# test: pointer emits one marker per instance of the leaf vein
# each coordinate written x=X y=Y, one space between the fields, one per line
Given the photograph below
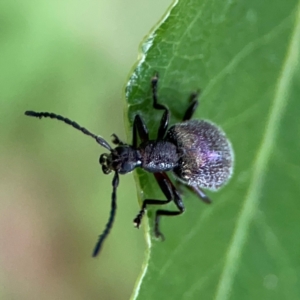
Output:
x=247 y=50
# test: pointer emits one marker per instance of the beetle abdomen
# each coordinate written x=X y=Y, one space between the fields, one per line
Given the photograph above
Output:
x=206 y=154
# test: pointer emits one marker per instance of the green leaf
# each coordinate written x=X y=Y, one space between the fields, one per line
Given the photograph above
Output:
x=244 y=56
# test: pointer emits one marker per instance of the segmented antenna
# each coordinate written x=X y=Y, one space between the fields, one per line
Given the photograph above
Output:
x=40 y=115
x=110 y=222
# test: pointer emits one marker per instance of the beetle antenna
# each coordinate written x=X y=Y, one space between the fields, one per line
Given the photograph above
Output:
x=40 y=115
x=110 y=222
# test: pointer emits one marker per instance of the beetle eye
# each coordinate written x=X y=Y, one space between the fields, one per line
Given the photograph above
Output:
x=103 y=158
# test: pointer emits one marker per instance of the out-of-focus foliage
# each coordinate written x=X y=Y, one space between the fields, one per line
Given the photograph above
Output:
x=72 y=58
x=245 y=56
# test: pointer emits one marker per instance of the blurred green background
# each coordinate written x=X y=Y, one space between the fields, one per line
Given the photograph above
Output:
x=72 y=58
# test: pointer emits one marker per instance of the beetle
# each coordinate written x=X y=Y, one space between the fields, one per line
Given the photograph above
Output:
x=196 y=151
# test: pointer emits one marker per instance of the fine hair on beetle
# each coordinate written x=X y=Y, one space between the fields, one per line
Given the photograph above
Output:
x=197 y=152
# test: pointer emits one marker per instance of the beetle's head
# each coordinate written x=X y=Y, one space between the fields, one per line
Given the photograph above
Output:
x=122 y=159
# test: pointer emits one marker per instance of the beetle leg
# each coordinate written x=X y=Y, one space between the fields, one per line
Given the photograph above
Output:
x=171 y=194
x=138 y=219
x=164 y=122
x=200 y=194
x=192 y=107
x=196 y=190
x=139 y=128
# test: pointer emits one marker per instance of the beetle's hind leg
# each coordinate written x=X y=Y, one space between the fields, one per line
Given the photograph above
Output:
x=171 y=194
x=192 y=107
x=196 y=190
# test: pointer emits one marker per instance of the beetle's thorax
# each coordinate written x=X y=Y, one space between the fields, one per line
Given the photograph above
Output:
x=158 y=156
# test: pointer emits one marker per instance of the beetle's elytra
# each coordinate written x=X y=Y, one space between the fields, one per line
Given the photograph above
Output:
x=196 y=151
